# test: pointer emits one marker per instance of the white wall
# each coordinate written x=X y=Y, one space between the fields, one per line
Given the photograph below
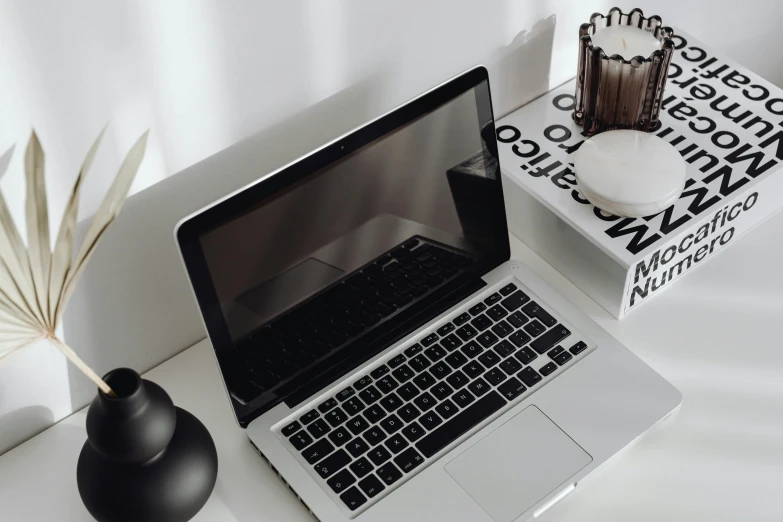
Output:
x=203 y=75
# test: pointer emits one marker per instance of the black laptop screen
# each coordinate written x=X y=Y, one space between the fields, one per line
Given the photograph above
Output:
x=329 y=262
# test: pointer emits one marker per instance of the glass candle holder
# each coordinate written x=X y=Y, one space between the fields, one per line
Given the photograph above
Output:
x=623 y=64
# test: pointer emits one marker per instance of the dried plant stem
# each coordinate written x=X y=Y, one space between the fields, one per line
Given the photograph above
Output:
x=86 y=370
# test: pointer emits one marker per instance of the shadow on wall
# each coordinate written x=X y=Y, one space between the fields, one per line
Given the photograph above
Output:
x=20 y=424
x=519 y=72
x=134 y=306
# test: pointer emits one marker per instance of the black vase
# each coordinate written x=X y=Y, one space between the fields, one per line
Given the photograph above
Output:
x=144 y=459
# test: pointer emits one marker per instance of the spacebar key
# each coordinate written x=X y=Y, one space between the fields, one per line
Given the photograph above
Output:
x=451 y=431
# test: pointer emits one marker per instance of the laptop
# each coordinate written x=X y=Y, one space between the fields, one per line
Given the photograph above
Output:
x=386 y=355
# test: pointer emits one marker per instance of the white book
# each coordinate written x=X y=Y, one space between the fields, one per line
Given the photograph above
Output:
x=725 y=121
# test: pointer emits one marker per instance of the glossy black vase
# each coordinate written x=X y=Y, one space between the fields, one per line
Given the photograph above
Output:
x=144 y=459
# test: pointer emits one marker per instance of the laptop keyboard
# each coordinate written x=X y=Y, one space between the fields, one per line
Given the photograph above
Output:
x=390 y=282
x=368 y=438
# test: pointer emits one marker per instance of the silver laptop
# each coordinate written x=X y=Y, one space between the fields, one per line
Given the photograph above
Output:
x=387 y=357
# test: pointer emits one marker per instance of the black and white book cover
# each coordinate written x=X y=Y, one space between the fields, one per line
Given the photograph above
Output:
x=726 y=122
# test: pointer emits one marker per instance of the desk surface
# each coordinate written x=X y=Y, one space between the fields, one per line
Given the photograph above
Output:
x=714 y=335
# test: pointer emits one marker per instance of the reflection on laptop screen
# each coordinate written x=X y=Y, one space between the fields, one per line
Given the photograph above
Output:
x=343 y=253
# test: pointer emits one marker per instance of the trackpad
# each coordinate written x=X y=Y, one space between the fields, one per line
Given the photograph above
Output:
x=511 y=469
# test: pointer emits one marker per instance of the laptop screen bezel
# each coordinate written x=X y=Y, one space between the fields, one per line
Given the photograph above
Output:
x=190 y=229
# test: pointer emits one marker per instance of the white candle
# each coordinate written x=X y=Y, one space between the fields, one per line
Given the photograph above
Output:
x=625 y=40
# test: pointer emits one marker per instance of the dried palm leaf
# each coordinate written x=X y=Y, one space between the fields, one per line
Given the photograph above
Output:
x=36 y=282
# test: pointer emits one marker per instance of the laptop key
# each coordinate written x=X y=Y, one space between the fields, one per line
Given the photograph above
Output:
x=467 y=332
x=473 y=369
x=529 y=376
x=309 y=417
x=441 y=390
x=430 y=420
x=327 y=405
x=374 y=413
x=457 y=380
x=495 y=376
x=378 y=455
x=396 y=361
x=408 y=460
x=445 y=329
x=318 y=428
x=460 y=424
x=357 y=447
x=391 y=424
x=497 y=312
x=429 y=340
x=481 y=322
x=420 y=363
x=511 y=366
x=435 y=353
x=475 y=310
x=518 y=319
x=391 y=402
x=389 y=474
x=535 y=328
x=487 y=339
x=408 y=391
x=408 y=412
x=341 y=481
x=578 y=348
x=519 y=338
x=440 y=370
x=374 y=435
x=371 y=486
x=396 y=443
x=336 y=417
x=413 y=431
x=353 y=406
x=292 y=428
x=514 y=301
x=533 y=309
x=456 y=359
x=554 y=352
x=361 y=467
x=512 y=388
x=504 y=348
x=332 y=464
x=446 y=409
x=300 y=440
x=489 y=359
x=362 y=383
x=472 y=349
x=451 y=342
x=462 y=319
x=549 y=339
x=494 y=298
x=345 y=394
x=502 y=329
x=508 y=289
x=547 y=368
x=563 y=358
x=413 y=350
x=403 y=373
x=353 y=498
x=462 y=398
x=525 y=355
x=424 y=380
x=339 y=436
x=386 y=384
x=379 y=372
x=370 y=395
x=424 y=402
x=357 y=425
x=479 y=387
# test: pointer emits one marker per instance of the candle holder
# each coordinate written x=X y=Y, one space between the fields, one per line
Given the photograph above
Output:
x=613 y=92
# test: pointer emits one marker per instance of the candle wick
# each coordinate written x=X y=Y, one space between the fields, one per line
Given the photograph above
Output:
x=625 y=45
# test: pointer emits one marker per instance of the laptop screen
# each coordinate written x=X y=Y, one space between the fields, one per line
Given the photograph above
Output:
x=338 y=262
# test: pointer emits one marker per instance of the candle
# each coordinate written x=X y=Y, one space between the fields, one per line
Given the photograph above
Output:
x=626 y=40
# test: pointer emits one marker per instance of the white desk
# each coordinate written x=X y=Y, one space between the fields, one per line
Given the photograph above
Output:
x=714 y=335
